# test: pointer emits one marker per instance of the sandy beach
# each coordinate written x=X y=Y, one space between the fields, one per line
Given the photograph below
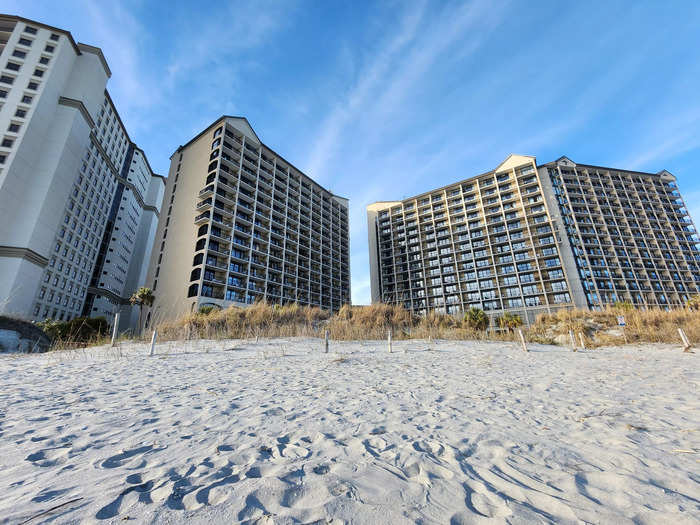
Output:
x=280 y=432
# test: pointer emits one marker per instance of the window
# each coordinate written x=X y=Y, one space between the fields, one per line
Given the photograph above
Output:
x=44 y=60
x=7 y=143
x=49 y=48
x=14 y=128
x=21 y=113
x=25 y=41
x=33 y=86
x=3 y=158
x=5 y=79
x=3 y=93
x=19 y=54
x=38 y=72
x=54 y=37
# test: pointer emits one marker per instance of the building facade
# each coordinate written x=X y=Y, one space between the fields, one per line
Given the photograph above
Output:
x=122 y=260
x=531 y=240
x=629 y=233
x=241 y=224
x=62 y=153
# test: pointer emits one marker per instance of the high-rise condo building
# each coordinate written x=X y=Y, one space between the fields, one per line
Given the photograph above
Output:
x=65 y=175
x=125 y=250
x=529 y=240
x=241 y=224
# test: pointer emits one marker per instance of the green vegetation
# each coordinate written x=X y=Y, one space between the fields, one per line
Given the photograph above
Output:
x=76 y=331
x=476 y=319
x=509 y=321
x=142 y=297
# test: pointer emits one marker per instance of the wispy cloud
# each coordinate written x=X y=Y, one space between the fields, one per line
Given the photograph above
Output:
x=353 y=102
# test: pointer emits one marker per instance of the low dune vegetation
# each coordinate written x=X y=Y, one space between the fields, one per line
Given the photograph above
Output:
x=593 y=328
x=599 y=328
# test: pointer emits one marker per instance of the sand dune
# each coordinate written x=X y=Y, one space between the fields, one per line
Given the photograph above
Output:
x=278 y=432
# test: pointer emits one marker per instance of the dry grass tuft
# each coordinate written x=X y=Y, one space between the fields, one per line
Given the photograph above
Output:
x=600 y=328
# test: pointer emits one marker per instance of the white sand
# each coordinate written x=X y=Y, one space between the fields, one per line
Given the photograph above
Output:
x=443 y=433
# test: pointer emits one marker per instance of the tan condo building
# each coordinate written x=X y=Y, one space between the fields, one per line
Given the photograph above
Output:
x=240 y=224
x=529 y=240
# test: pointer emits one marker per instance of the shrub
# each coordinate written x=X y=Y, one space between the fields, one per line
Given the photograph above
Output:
x=476 y=319
x=207 y=309
x=693 y=302
x=623 y=305
x=78 y=330
x=510 y=321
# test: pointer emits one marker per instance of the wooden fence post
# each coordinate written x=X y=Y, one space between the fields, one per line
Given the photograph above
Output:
x=686 y=343
x=389 y=339
x=326 y=341
x=522 y=340
x=573 y=340
x=115 y=330
x=153 y=341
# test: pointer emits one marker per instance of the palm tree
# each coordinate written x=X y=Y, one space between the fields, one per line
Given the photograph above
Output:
x=510 y=321
x=693 y=303
x=142 y=297
x=476 y=318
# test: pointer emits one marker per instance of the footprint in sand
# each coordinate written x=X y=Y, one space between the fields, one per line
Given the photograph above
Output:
x=293 y=451
x=489 y=505
x=120 y=459
x=430 y=447
x=48 y=457
x=376 y=446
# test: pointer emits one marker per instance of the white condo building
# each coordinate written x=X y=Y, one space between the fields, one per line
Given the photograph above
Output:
x=65 y=155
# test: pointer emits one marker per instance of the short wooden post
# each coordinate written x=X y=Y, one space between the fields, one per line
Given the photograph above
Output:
x=686 y=343
x=522 y=340
x=153 y=341
x=115 y=330
x=580 y=338
x=326 y=341
x=389 y=339
x=573 y=340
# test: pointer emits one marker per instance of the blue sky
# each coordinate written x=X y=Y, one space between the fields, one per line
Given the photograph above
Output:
x=383 y=100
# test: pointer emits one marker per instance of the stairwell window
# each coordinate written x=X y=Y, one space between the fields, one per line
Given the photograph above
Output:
x=25 y=42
